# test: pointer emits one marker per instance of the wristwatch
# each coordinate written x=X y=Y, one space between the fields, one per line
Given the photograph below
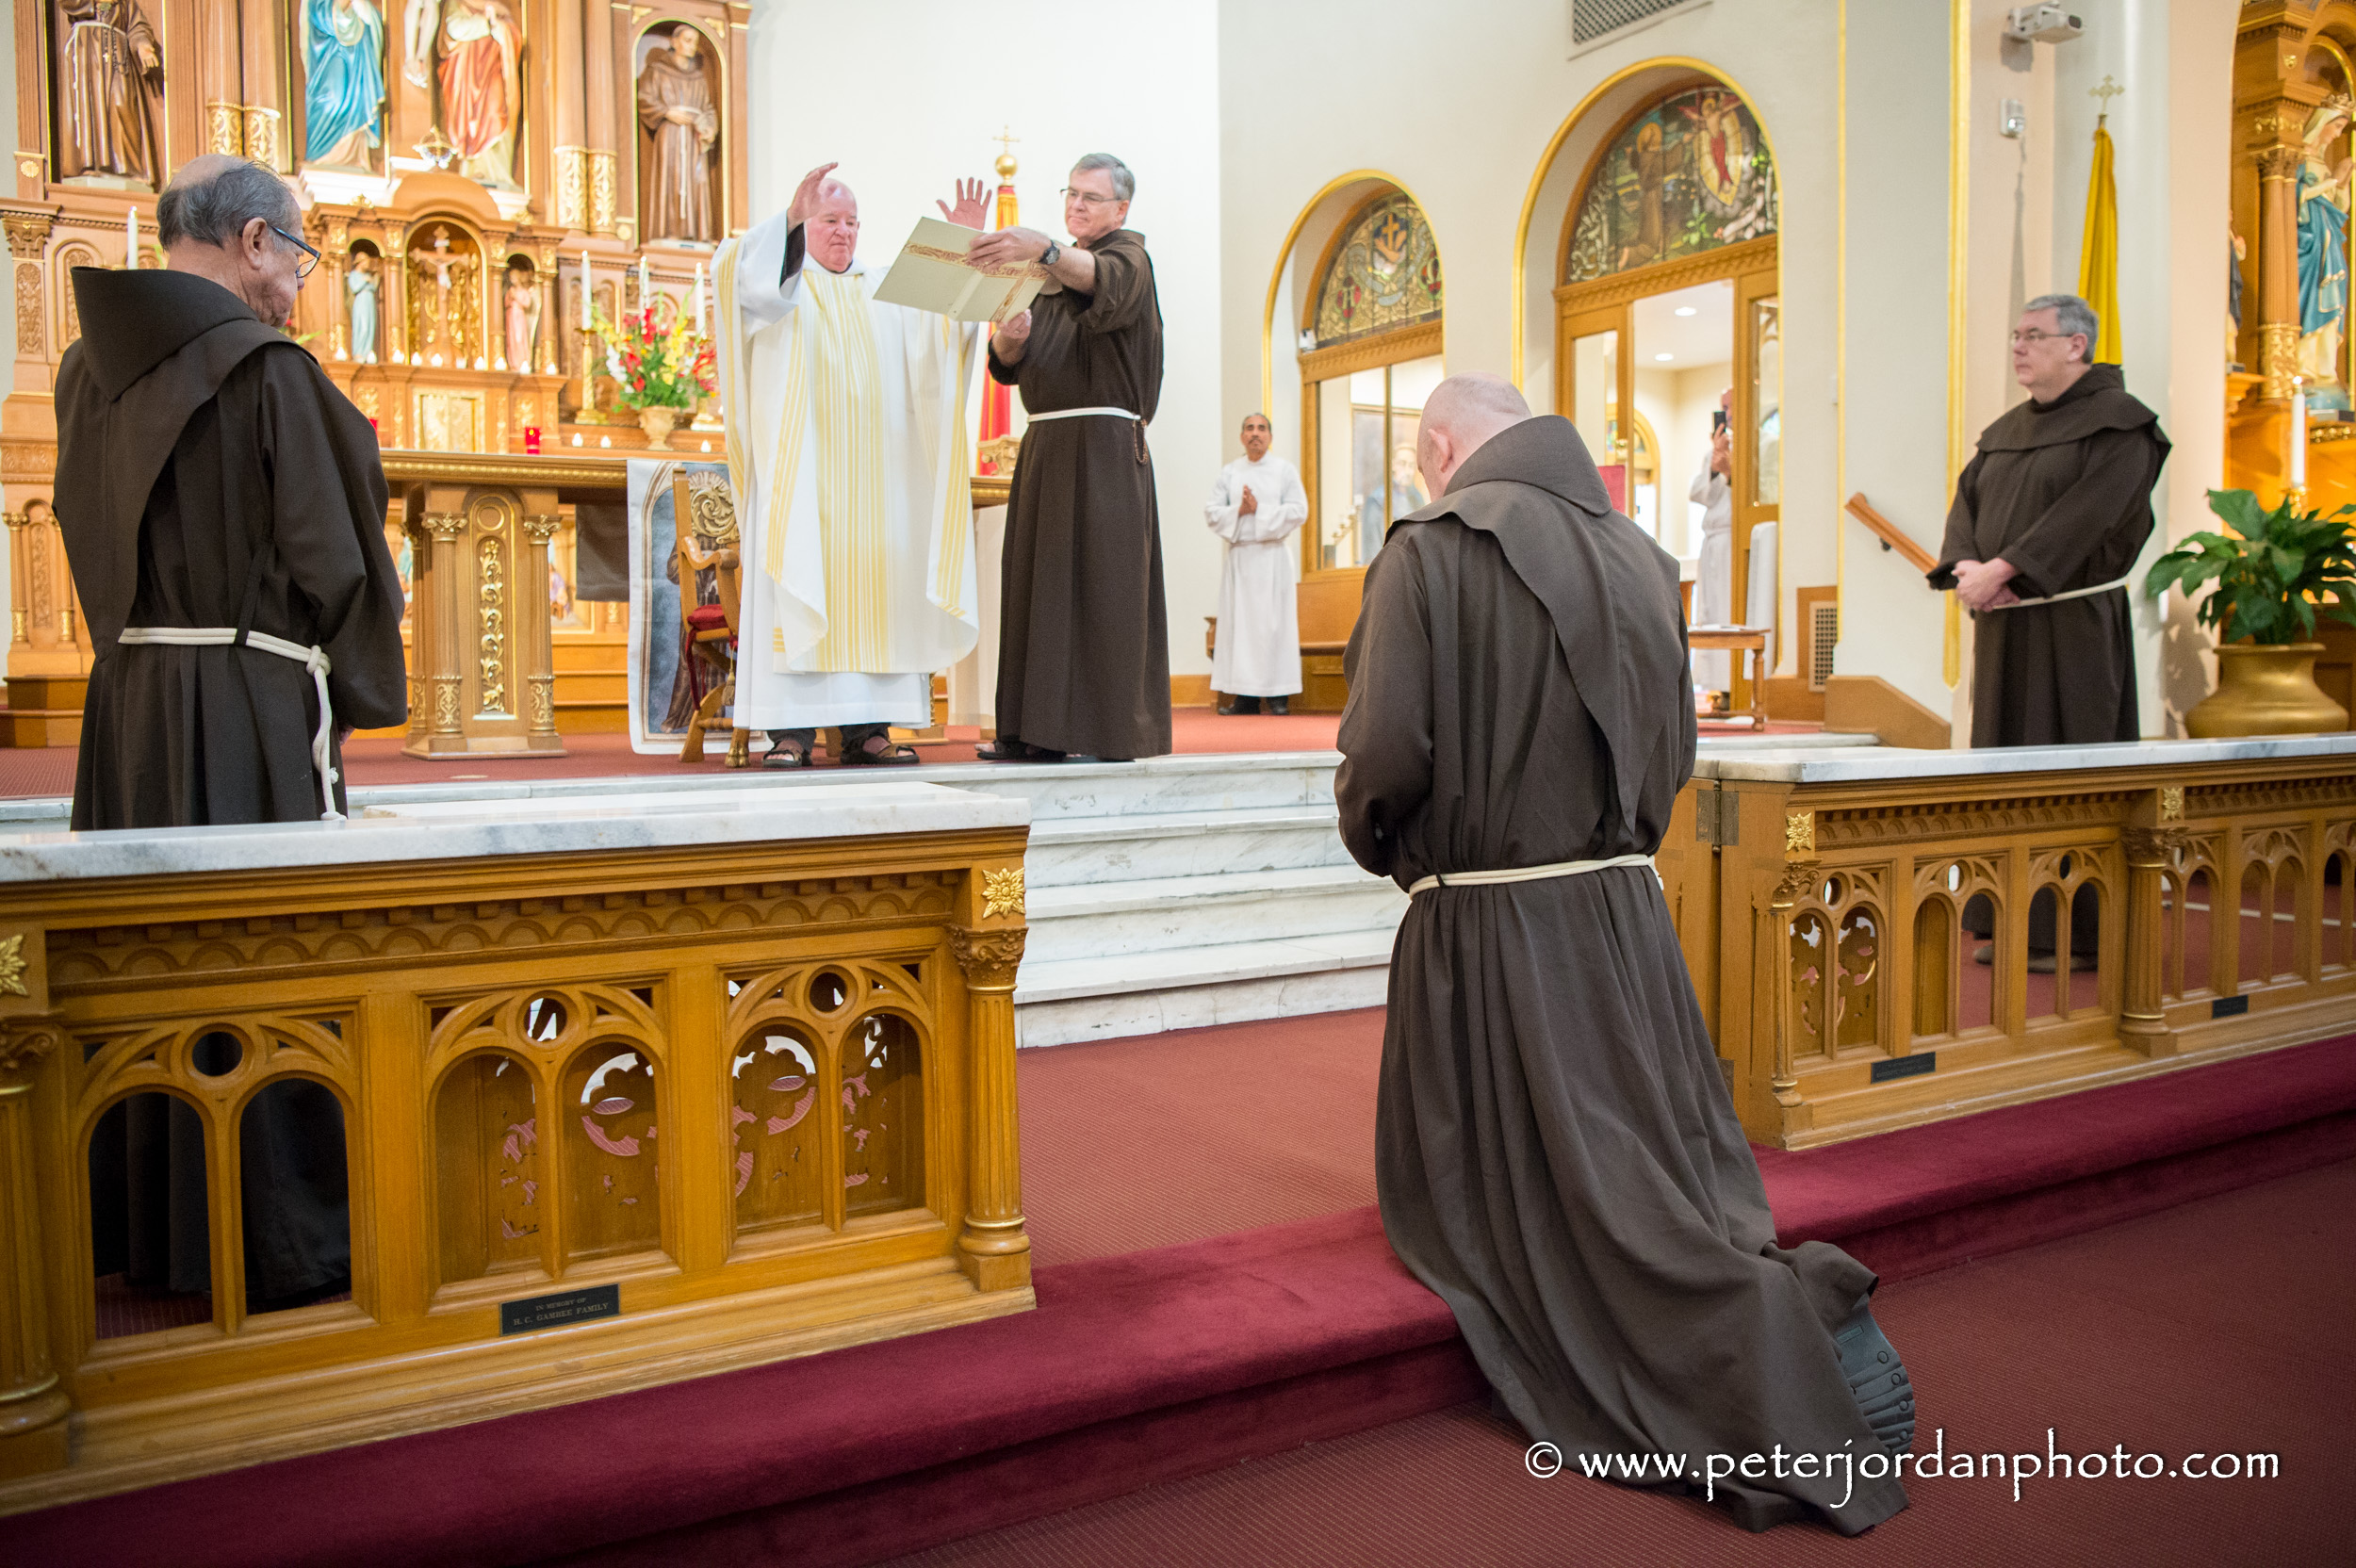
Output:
x=1047 y=257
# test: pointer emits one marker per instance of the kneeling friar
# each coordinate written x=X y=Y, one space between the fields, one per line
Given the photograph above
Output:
x=1555 y=1151
x=849 y=456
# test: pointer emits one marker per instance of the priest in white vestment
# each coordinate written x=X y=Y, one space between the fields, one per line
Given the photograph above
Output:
x=847 y=450
x=1256 y=506
x=1712 y=490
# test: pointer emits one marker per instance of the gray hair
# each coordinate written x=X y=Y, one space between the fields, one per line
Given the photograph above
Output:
x=2074 y=315
x=216 y=211
x=1125 y=183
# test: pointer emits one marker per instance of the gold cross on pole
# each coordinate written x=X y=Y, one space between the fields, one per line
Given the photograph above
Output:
x=2103 y=95
x=1006 y=139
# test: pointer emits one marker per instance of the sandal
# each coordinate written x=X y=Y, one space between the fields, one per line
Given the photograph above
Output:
x=887 y=755
x=1007 y=749
x=785 y=754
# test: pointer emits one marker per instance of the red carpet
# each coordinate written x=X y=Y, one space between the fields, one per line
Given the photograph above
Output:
x=2218 y=1327
x=1154 y=1365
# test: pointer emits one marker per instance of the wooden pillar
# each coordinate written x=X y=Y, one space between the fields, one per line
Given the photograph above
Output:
x=1799 y=838
x=435 y=619
x=2142 y=1020
x=571 y=91
x=2278 y=269
x=219 y=74
x=603 y=116
x=392 y=297
x=994 y=1251
x=32 y=1407
x=262 y=104
x=536 y=653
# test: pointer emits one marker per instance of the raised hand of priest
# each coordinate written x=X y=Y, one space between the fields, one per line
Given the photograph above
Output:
x=1251 y=502
x=806 y=195
x=1007 y=246
x=969 y=212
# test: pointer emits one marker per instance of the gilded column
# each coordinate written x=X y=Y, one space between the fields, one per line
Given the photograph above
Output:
x=605 y=117
x=19 y=623
x=220 y=75
x=445 y=635
x=537 y=656
x=2278 y=272
x=262 y=107
x=28 y=243
x=2142 y=1022
x=333 y=238
x=994 y=1251
x=1799 y=838
x=571 y=153
x=392 y=297
x=32 y=1405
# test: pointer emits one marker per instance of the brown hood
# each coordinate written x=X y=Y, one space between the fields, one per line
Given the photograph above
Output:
x=2096 y=402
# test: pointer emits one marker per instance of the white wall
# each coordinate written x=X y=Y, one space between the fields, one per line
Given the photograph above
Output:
x=907 y=96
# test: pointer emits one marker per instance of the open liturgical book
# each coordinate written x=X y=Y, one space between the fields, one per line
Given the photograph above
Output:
x=932 y=273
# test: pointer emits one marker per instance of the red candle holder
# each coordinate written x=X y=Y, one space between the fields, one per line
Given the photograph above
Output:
x=531 y=439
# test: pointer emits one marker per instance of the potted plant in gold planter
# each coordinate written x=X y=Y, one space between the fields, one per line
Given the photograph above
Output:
x=660 y=371
x=2268 y=573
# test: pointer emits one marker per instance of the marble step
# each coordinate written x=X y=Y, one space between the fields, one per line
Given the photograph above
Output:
x=1159 y=914
x=1074 y=851
x=1069 y=1000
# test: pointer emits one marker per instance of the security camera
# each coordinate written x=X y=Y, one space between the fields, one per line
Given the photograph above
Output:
x=2042 y=25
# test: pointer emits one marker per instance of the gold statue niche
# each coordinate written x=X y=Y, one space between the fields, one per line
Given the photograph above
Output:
x=444 y=298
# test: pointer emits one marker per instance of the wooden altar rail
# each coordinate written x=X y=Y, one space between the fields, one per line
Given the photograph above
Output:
x=816 y=1033
x=1821 y=923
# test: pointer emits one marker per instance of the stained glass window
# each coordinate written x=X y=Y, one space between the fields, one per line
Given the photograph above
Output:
x=1386 y=273
x=1689 y=174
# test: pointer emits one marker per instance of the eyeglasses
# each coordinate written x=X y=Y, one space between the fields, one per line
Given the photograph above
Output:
x=1089 y=198
x=302 y=269
x=2034 y=336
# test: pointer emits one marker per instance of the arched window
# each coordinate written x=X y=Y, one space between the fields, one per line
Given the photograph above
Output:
x=1371 y=354
x=1688 y=174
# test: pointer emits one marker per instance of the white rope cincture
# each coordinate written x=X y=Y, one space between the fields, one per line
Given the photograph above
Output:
x=2056 y=599
x=311 y=658
x=1525 y=873
x=1078 y=413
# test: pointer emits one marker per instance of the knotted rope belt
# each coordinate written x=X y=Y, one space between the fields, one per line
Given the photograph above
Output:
x=2056 y=599
x=1135 y=421
x=311 y=658
x=1523 y=873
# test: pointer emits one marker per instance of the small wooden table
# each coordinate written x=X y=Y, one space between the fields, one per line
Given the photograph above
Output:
x=1738 y=639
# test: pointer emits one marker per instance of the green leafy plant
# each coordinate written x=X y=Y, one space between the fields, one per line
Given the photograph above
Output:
x=2267 y=579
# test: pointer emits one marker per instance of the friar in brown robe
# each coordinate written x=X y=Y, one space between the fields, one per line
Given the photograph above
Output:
x=1555 y=1153
x=1083 y=641
x=2061 y=492
x=209 y=478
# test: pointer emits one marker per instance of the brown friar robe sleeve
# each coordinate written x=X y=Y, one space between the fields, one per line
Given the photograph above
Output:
x=1386 y=735
x=1123 y=285
x=2112 y=493
x=327 y=522
x=1962 y=525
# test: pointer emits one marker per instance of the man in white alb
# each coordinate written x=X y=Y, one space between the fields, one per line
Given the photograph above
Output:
x=847 y=450
x=1713 y=585
x=1255 y=505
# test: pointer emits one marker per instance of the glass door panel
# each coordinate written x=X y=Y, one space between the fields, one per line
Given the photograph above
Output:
x=1594 y=406
x=1766 y=434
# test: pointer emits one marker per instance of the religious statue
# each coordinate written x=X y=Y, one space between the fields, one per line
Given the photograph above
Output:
x=2323 y=185
x=110 y=77
x=675 y=104
x=521 y=301
x=360 y=285
x=343 y=92
x=446 y=322
x=479 y=60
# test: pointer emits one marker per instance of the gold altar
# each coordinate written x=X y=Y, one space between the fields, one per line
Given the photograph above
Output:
x=440 y=1002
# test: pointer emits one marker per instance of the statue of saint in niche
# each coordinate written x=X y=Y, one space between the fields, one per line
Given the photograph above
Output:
x=360 y=285
x=110 y=75
x=676 y=106
x=343 y=82
x=478 y=59
x=520 y=305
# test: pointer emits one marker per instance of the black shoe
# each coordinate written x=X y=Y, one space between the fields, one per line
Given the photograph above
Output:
x=1278 y=706
x=1240 y=705
x=1878 y=1379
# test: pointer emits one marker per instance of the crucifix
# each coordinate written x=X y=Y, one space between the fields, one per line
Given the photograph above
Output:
x=2102 y=95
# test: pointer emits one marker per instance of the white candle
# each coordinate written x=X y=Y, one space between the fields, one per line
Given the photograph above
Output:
x=584 y=291
x=703 y=313
x=131 y=238
x=2299 y=439
x=644 y=299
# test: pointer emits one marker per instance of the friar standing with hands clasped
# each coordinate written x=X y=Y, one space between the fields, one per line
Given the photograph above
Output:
x=1083 y=640
x=1256 y=505
x=1555 y=1151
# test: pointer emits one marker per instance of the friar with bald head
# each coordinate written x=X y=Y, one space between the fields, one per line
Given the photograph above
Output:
x=849 y=456
x=1556 y=1152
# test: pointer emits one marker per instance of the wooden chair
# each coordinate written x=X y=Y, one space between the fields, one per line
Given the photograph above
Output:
x=705 y=517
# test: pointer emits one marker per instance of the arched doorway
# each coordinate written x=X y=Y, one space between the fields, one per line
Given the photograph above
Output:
x=1666 y=308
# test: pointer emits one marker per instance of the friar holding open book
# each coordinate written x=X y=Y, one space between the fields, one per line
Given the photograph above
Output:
x=848 y=454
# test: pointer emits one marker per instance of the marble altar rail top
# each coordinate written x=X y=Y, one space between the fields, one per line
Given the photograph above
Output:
x=51 y=813
x=1876 y=765
x=470 y=829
